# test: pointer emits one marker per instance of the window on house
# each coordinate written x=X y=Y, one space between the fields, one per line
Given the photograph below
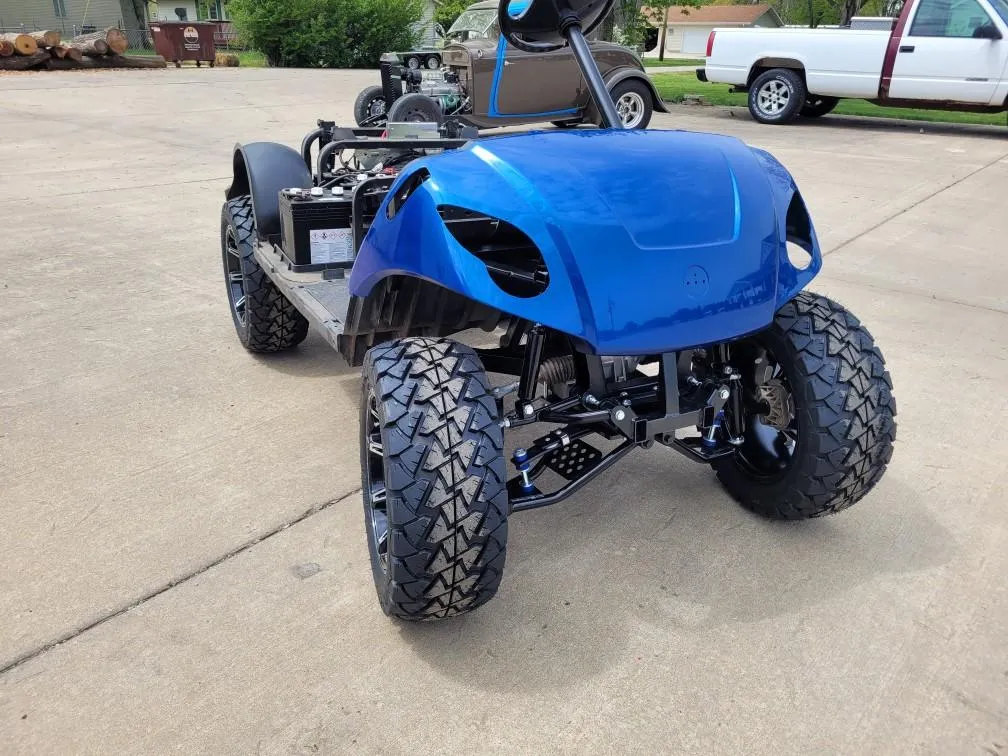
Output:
x=59 y=8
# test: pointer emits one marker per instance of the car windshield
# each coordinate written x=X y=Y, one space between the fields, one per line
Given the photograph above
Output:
x=1001 y=6
x=473 y=23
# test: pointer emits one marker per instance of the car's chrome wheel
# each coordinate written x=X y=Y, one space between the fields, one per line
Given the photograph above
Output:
x=630 y=107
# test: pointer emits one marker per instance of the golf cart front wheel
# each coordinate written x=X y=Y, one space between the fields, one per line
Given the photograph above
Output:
x=264 y=318
x=433 y=479
x=819 y=430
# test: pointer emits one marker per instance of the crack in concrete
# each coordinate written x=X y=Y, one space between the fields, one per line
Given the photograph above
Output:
x=916 y=204
x=931 y=297
x=173 y=583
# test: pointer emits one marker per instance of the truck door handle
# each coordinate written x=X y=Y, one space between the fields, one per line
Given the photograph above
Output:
x=907 y=48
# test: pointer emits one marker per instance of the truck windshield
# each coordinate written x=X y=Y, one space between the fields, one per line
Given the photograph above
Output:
x=472 y=24
x=1001 y=6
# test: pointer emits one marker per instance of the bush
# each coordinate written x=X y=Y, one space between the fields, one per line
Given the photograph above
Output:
x=326 y=33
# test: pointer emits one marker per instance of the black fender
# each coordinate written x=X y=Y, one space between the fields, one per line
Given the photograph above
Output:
x=614 y=77
x=262 y=169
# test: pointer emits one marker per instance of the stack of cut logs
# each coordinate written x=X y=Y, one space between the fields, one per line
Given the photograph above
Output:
x=47 y=50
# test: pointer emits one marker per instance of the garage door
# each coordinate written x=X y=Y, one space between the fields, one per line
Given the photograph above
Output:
x=694 y=40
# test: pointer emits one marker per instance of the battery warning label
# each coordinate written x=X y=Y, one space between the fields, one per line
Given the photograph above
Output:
x=331 y=245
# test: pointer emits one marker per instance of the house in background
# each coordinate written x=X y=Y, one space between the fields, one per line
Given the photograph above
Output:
x=66 y=16
x=689 y=28
x=186 y=10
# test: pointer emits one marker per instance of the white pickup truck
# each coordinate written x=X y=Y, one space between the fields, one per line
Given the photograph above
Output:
x=948 y=54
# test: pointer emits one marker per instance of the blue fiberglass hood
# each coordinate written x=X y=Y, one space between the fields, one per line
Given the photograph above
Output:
x=654 y=240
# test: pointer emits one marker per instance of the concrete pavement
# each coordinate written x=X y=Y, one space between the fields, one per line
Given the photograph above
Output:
x=183 y=567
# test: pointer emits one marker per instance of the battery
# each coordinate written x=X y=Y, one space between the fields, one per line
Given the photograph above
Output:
x=315 y=229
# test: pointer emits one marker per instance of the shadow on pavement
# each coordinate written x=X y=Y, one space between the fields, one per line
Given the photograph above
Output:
x=656 y=547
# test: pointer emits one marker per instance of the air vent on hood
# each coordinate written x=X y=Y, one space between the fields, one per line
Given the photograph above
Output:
x=512 y=259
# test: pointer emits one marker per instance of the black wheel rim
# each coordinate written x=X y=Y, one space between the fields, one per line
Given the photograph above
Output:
x=235 y=275
x=376 y=107
x=771 y=439
x=375 y=494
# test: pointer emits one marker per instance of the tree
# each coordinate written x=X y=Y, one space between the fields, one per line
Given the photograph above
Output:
x=448 y=10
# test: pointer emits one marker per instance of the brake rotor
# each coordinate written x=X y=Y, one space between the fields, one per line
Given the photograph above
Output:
x=780 y=403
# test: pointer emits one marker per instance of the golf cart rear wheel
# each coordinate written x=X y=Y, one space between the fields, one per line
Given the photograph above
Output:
x=824 y=429
x=777 y=96
x=633 y=103
x=264 y=318
x=415 y=107
x=433 y=479
x=370 y=106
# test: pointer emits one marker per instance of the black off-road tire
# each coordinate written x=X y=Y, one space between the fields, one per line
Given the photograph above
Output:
x=365 y=101
x=816 y=106
x=415 y=107
x=268 y=322
x=433 y=62
x=412 y=62
x=789 y=82
x=844 y=408
x=443 y=474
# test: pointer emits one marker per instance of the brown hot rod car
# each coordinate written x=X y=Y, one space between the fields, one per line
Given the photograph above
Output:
x=485 y=82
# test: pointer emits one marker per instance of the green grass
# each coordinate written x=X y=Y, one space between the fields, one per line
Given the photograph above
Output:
x=655 y=63
x=674 y=87
x=246 y=58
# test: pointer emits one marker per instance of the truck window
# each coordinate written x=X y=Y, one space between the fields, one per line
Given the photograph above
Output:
x=1001 y=6
x=948 y=18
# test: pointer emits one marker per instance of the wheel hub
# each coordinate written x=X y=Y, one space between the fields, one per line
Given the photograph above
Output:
x=375 y=493
x=235 y=275
x=773 y=97
x=630 y=107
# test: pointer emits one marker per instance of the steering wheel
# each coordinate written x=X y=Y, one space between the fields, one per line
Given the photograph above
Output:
x=539 y=25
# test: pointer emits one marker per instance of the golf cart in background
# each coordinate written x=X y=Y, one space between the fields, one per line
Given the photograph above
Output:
x=611 y=325
x=486 y=82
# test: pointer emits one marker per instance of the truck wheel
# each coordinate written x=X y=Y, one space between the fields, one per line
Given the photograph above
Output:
x=821 y=426
x=370 y=104
x=777 y=96
x=433 y=62
x=816 y=106
x=633 y=103
x=433 y=479
x=264 y=318
x=413 y=62
x=415 y=107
